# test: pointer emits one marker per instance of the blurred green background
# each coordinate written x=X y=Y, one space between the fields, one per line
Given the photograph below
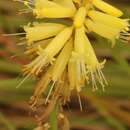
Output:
x=109 y=110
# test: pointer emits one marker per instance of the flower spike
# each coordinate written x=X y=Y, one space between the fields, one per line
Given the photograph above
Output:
x=62 y=56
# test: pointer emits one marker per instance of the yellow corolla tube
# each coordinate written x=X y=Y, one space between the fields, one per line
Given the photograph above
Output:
x=76 y=80
x=42 y=31
x=77 y=64
x=54 y=12
x=54 y=9
x=93 y=66
x=46 y=56
x=62 y=60
x=58 y=42
x=103 y=30
x=80 y=17
x=108 y=20
x=79 y=46
x=107 y=8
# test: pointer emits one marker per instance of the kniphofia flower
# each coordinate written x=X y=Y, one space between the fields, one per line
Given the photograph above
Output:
x=62 y=53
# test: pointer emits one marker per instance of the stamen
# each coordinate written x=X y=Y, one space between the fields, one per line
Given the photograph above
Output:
x=35 y=67
x=97 y=75
x=104 y=78
x=94 y=85
x=125 y=36
x=25 y=2
x=47 y=98
x=23 y=11
x=21 y=43
x=80 y=103
x=14 y=34
x=22 y=38
x=83 y=70
x=22 y=81
x=100 y=79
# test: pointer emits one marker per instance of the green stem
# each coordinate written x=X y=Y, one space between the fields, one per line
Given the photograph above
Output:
x=53 y=119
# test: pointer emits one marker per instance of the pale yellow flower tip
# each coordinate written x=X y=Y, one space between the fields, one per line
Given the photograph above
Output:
x=94 y=67
x=80 y=17
x=76 y=80
x=62 y=60
x=54 y=12
x=42 y=31
x=108 y=20
x=80 y=54
x=103 y=30
x=107 y=8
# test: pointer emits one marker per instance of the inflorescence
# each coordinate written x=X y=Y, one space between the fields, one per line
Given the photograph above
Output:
x=61 y=52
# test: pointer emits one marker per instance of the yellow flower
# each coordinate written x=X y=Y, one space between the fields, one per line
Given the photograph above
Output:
x=61 y=48
x=50 y=9
x=54 y=73
x=42 y=31
x=107 y=8
x=76 y=72
x=107 y=26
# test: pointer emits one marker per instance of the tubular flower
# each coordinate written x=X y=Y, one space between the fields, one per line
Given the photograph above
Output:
x=50 y=9
x=62 y=54
x=42 y=31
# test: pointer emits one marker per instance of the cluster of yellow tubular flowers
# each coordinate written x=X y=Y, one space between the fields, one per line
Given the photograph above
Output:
x=61 y=50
